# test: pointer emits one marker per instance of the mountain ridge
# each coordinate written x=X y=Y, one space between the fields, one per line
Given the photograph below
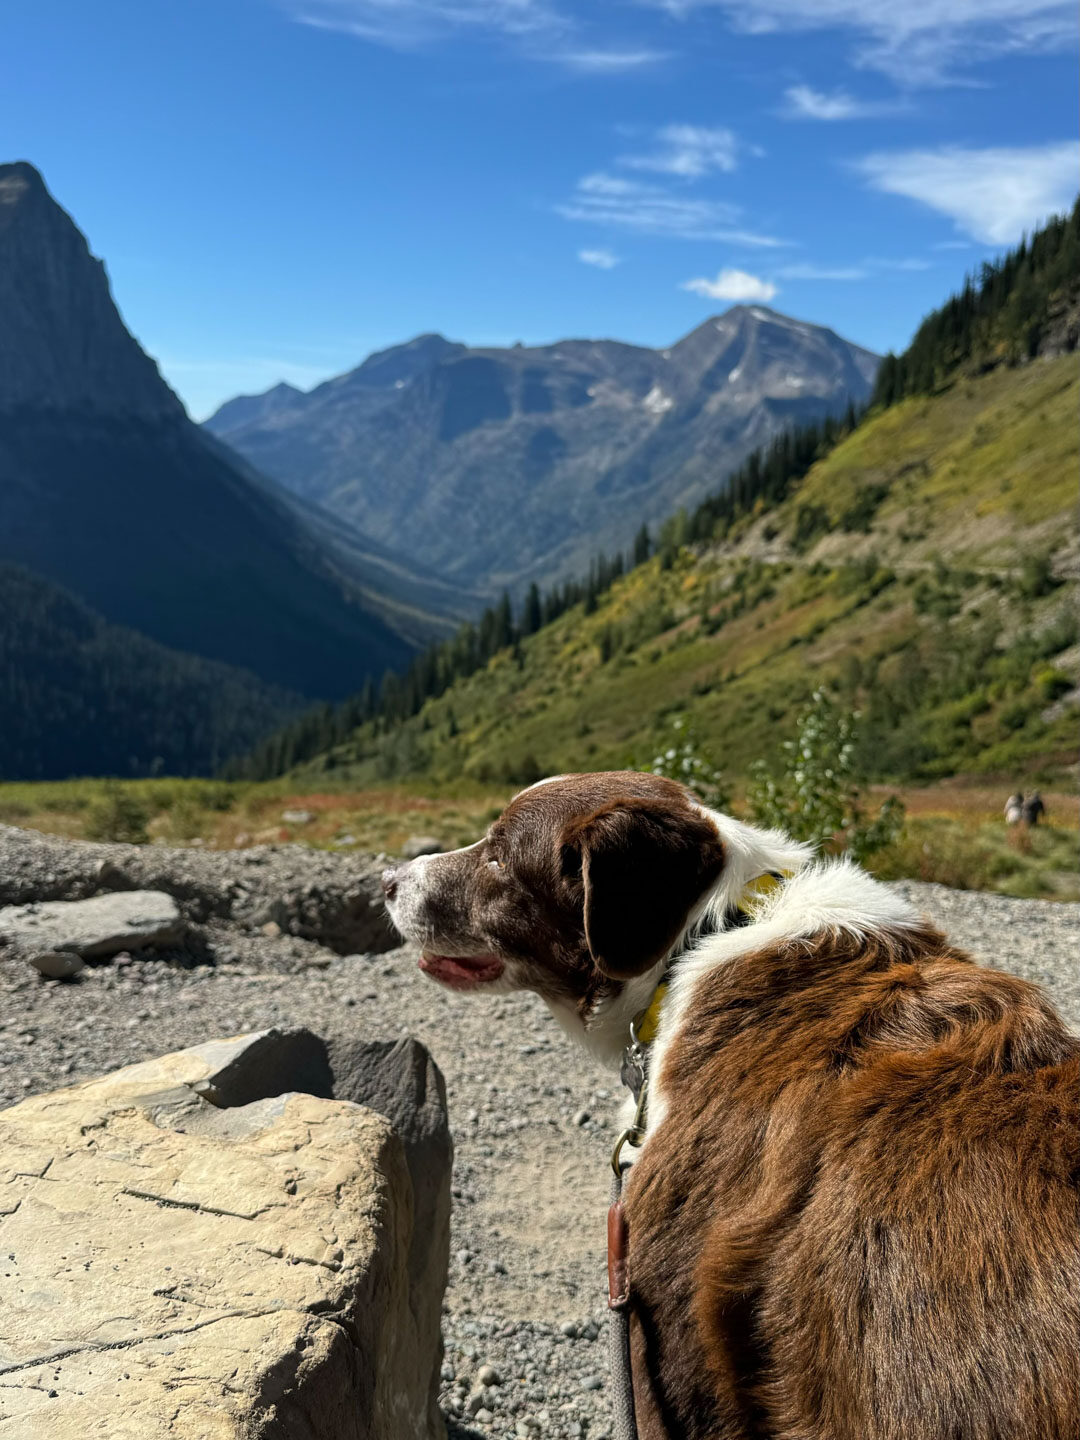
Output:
x=504 y=465
x=107 y=488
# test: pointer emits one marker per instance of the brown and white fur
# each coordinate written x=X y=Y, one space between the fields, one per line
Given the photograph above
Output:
x=855 y=1215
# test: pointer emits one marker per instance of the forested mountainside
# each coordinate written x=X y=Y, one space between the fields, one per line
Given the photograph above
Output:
x=917 y=560
x=501 y=467
x=81 y=697
x=107 y=488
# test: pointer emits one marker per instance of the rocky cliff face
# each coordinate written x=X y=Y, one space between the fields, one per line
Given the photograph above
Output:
x=505 y=465
x=63 y=345
x=109 y=489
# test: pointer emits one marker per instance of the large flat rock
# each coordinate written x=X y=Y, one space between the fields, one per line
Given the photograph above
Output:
x=97 y=928
x=186 y=1257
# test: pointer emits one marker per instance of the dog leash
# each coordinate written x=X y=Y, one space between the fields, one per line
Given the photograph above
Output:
x=634 y=1074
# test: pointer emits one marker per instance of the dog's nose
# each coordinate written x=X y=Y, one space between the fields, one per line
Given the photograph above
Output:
x=388 y=880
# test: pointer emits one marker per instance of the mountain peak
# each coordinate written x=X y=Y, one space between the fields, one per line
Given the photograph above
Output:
x=64 y=346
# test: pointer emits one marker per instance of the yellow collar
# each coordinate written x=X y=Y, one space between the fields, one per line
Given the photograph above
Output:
x=648 y=1022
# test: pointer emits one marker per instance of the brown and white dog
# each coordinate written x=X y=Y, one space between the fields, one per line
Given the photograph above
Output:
x=855 y=1214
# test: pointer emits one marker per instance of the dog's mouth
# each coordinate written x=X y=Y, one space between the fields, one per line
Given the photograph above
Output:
x=462 y=972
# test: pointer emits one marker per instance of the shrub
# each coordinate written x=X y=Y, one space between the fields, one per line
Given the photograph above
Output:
x=814 y=794
x=687 y=760
x=1053 y=683
x=117 y=814
x=1036 y=576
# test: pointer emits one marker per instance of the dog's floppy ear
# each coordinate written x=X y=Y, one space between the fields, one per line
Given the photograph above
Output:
x=644 y=865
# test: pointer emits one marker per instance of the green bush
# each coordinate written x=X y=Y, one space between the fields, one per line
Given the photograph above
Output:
x=1053 y=683
x=687 y=760
x=813 y=794
x=117 y=814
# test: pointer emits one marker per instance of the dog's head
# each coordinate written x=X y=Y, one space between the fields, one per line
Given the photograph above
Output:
x=582 y=883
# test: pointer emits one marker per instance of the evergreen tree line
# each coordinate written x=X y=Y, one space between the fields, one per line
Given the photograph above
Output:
x=1006 y=308
x=79 y=696
x=1000 y=315
x=767 y=476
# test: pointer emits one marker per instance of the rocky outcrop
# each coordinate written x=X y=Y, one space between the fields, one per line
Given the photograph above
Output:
x=64 y=345
x=332 y=899
x=247 y=1239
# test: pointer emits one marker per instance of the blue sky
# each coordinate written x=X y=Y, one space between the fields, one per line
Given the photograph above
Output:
x=279 y=187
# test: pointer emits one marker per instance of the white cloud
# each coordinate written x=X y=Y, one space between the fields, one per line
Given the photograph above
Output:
x=732 y=285
x=992 y=195
x=416 y=22
x=599 y=259
x=688 y=151
x=910 y=263
x=614 y=202
x=804 y=103
x=538 y=27
x=822 y=272
x=916 y=41
x=608 y=62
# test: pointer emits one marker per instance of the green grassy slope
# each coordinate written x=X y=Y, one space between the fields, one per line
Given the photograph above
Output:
x=908 y=569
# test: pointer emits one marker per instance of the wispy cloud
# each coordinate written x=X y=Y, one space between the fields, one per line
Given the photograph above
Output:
x=607 y=62
x=688 y=151
x=993 y=195
x=732 y=285
x=822 y=272
x=614 y=202
x=802 y=102
x=599 y=259
x=540 y=28
x=907 y=263
x=916 y=41
x=416 y=22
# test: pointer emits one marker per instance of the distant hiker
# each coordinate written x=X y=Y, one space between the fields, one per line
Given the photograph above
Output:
x=1014 y=809
x=1034 y=809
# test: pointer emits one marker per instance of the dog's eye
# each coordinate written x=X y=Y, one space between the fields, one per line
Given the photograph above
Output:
x=496 y=865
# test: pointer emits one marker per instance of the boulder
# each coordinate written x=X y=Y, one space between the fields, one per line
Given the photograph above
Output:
x=417 y=845
x=97 y=928
x=221 y=1245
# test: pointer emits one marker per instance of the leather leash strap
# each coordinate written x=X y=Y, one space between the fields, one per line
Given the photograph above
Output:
x=624 y=1421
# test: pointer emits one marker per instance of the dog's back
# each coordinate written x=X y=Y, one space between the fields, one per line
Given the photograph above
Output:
x=859 y=1219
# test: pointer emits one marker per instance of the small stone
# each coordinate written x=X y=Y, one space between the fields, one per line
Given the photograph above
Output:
x=488 y=1375
x=57 y=964
x=590 y=1330
x=592 y=1382
x=464 y=1257
x=581 y=1118
x=485 y=1417
x=271 y=929
x=569 y=1329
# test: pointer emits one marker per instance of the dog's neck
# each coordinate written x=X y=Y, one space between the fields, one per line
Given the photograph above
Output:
x=749 y=853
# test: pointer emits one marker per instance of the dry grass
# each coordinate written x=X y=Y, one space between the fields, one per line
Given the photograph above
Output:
x=955 y=833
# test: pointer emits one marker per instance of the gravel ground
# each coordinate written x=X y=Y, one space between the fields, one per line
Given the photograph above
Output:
x=533 y=1119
